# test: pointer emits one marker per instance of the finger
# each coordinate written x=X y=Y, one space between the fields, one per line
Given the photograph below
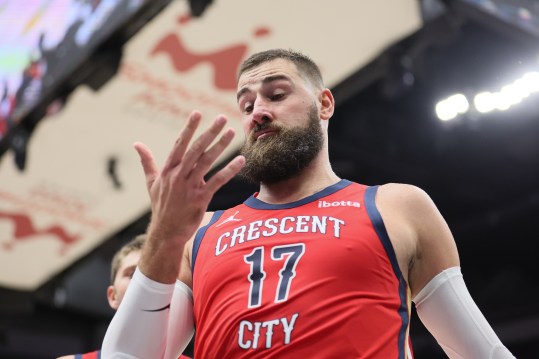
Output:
x=148 y=163
x=226 y=174
x=180 y=146
x=199 y=147
x=207 y=160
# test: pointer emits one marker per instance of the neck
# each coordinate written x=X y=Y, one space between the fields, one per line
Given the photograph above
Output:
x=314 y=178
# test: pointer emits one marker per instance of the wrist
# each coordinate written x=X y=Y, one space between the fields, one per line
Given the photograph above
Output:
x=161 y=258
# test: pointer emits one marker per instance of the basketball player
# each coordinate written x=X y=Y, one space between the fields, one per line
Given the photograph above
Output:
x=311 y=266
x=123 y=266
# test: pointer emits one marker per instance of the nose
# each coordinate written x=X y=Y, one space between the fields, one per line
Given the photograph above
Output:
x=261 y=112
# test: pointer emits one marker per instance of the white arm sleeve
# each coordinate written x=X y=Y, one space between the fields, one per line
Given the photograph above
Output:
x=448 y=311
x=142 y=326
x=180 y=324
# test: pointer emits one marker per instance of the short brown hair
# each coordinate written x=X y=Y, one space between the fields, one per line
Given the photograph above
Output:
x=306 y=66
x=131 y=246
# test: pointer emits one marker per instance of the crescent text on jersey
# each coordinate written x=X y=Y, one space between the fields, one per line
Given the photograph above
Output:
x=285 y=225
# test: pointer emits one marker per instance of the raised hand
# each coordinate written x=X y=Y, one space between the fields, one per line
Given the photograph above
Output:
x=179 y=194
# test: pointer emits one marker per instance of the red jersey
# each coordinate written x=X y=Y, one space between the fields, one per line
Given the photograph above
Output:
x=316 y=278
x=92 y=355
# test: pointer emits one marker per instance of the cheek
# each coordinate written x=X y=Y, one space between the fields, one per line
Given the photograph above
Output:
x=298 y=108
x=246 y=125
x=121 y=288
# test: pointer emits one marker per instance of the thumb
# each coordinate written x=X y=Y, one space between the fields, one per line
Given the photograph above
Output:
x=148 y=163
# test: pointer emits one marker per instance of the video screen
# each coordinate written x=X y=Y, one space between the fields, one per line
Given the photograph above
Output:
x=523 y=14
x=44 y=41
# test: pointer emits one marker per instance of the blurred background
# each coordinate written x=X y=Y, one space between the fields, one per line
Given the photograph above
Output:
x=439 y=94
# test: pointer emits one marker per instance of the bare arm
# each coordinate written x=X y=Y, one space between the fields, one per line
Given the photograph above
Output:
x=426 y=248
x=420 y=236
x=142 y=326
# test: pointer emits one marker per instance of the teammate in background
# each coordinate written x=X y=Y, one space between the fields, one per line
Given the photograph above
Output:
x=123 y=266
x=311 y=266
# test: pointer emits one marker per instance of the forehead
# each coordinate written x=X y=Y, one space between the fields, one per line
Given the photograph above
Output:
x=277 y=67
x=130 y=260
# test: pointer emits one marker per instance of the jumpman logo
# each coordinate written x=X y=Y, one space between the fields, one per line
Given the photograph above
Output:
x=230 y=219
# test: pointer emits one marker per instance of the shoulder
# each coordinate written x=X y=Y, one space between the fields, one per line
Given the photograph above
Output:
x=406 y=194
x=413 y=212
x=205 y=220
x=186 y=275
x=409 y=200
x=410 y=204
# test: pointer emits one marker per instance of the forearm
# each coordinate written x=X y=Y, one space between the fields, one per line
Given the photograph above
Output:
x=181 y=326
x=161 y=258
x=448 y=311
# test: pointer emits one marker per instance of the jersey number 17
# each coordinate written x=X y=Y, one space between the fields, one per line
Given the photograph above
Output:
x=290 y=254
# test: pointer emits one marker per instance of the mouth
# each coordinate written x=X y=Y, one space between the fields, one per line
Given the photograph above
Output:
x=264 y=133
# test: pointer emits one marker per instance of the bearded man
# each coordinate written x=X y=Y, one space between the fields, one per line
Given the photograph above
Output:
x=311 y=266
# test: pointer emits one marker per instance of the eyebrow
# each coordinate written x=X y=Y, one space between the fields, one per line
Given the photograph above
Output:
x=128 y=268
x=265 y=81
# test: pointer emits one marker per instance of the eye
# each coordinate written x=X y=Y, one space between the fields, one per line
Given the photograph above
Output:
x=247 y=107
x=277 y=96
x=129 y=274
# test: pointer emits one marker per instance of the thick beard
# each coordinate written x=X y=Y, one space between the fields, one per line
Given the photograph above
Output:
x=283 y=155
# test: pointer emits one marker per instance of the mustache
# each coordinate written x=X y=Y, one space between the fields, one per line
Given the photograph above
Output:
x=263 y=127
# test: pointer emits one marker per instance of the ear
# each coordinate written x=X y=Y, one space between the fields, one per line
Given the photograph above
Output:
x=112 y=297
x=327 y=104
